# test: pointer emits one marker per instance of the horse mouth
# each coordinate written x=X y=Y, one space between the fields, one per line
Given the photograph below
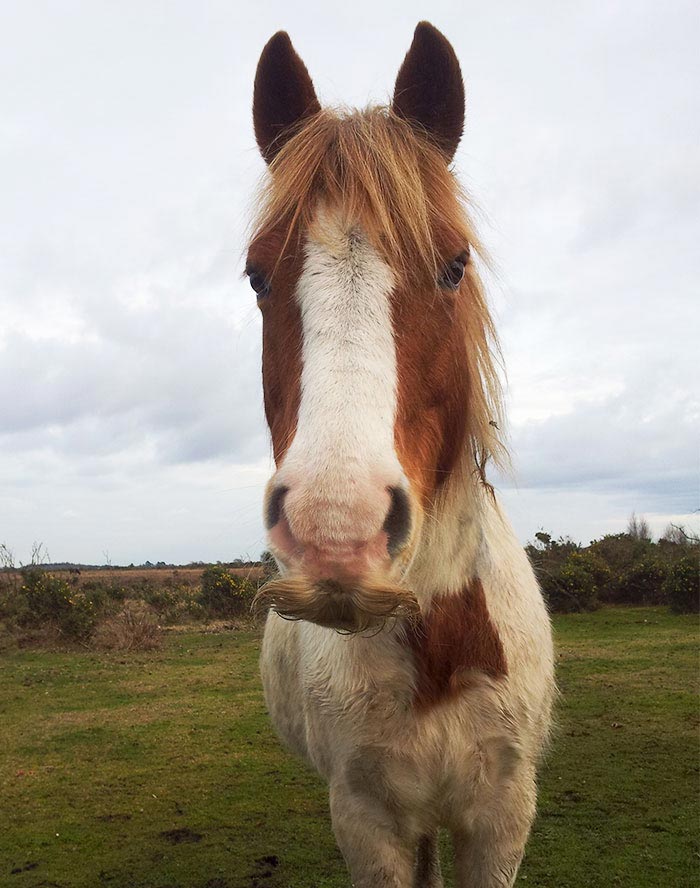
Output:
x=346 y=605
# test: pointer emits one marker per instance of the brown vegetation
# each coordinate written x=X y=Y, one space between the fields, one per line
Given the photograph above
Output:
x=134 y=628
x=133 y=577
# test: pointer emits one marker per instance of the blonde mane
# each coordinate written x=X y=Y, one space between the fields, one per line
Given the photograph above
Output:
x=391 y=180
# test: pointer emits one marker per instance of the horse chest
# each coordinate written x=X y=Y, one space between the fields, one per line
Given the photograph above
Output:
x=387 y=691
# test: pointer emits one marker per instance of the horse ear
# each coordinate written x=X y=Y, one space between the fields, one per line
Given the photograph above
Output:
x=283 y=95
x=429 y=89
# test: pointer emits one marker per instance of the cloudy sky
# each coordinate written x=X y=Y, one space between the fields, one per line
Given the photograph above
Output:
x=131 y=420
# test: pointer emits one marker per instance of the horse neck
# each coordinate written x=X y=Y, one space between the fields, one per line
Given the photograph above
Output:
x=453 y=537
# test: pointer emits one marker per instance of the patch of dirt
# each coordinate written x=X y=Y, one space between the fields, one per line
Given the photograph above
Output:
x=111 y=818
x=181 y=836
x=570 y=795
x=30 y=865
x=264 y=869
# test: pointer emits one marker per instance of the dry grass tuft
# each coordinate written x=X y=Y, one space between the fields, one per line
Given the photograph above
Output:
x=134 y=628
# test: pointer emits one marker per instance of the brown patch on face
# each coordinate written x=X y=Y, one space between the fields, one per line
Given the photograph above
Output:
x=282 y=335
x=455 y=636
x=433 y=393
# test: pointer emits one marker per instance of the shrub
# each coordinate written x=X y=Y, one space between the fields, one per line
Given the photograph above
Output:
x=11 y=598
x=642 y=583
x=50 y=600
x=174 y=604
x=134 y=628
x=8 y=641
x=572 y=586
x=682 y=585
x=223 y=595
x=620 y=551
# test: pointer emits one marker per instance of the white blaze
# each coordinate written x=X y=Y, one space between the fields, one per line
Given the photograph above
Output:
x=343 y=450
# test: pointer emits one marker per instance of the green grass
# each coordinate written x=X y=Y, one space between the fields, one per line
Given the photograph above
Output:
x=160 y=770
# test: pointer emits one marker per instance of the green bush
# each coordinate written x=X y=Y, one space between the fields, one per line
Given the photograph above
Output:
x=643 y=583
x=224 y=595
x=174 y=604
x=50 y=600
x=682 y=585
x=573 y=585
x=620 y=552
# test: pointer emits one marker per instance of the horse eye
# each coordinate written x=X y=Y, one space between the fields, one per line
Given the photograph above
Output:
x=452 y=276
x=258 y=283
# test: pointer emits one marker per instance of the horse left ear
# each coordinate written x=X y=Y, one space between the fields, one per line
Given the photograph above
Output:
x=283 y=95
x=429 y=89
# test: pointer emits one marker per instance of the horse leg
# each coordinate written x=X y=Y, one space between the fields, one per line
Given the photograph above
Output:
x=426 y=870
x=488 y=852
x=369 y=837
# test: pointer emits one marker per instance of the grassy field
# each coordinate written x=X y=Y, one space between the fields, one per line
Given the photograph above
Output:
x=160 y=770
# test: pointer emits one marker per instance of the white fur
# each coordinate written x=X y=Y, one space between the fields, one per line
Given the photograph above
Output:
x=346 y=703
x=345 y=425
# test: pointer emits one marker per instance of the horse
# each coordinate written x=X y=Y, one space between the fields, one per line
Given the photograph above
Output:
x=407 y=651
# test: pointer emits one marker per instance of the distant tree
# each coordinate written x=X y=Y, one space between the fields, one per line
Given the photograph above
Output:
x=678 y=535
x=638 y=527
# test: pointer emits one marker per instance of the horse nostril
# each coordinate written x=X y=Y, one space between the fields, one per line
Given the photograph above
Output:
x=397 y=524
x=273 y=511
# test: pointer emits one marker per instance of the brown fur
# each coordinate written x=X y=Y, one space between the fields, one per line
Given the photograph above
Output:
x=281 y=353
x=348 y=607
x=384 y=176
x=455 y=636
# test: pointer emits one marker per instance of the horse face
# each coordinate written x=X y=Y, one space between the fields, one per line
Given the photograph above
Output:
x=340 y=502
x=363 y=392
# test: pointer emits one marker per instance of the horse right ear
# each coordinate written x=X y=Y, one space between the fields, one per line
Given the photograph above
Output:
x=283 y=95
x=429 y=89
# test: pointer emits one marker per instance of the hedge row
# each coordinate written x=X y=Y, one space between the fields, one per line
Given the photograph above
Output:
x=617 y=570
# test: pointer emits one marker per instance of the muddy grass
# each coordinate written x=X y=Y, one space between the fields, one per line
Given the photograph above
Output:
x=159 y=770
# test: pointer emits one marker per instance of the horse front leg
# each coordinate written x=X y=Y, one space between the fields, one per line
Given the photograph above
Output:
x=488 y=852
x=377 y=853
